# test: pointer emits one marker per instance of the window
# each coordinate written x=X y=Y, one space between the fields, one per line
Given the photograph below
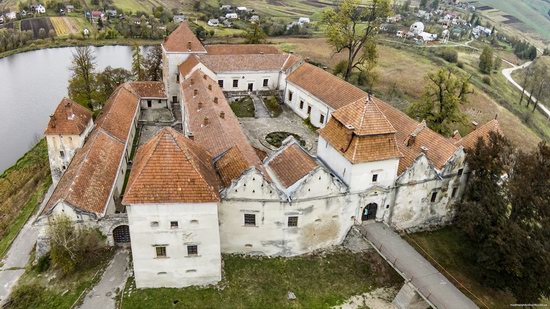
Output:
x=175 y=99
x=250 y=219
x=434 y=197
x=292 y=221
x=235 y=83
x=154 y=223
x=290 y=96
x=460 y=171
x=192 y=250
x=453 y=193
x=161 y=251
x=374 y=177
x=177 y=78
x=322 y=119
x=173 y=224
x=220 y=83
x=301 y=104
x=309 y=109
x=266 y=82
x=149 y=103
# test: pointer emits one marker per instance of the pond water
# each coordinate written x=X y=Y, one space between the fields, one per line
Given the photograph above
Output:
x=31 y=86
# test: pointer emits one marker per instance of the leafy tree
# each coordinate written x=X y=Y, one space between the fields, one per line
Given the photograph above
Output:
x=153 y=64
x=351 y=27
x=108 y=80
x=497 y=63
x=439 y=105
x=137 y=63
x=486 y=60
x=73 y=247
x=82 y=82
x=255 y=35
x=423 y=4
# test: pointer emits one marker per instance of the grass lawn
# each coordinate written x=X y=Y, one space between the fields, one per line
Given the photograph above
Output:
x=450 y=249
x=22 y=187
x=318 y=281
x=272 y=104
x=50 y=289
x=243 y=107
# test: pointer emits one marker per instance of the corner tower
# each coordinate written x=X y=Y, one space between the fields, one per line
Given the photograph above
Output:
x=358 y=144
x=67 y=130
x=176 y=48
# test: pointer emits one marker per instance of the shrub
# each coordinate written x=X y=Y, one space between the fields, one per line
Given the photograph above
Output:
x=450 y=55
x=487 y=80
x=460 y=64
x=43 y=264
x=26 y=296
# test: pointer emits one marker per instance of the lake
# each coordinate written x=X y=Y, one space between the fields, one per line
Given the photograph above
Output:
x=31 y=86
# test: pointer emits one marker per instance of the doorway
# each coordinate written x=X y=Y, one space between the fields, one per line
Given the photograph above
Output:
x=121 y=235
x=369 y=212
x=250 y=87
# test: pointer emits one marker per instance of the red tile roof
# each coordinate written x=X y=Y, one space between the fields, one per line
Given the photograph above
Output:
x=69 y=118
x=328 y=88
x=183 y=40
x=469 y=141
x=231 y=165
x=240 y=63
x=187 y=66
x=241 y=49
x=171 y=168
x=119 y=111
x=291 y=164
x=214 y=125
x=149 y=89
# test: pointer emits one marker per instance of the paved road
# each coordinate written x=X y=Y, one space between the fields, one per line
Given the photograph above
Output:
x=102 y=296
x=18 y=255
x=432 y=285
x=260 y=109
x=508 y=74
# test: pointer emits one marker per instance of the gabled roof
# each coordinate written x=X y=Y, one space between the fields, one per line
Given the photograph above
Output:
x=183 y=40
x=414 y=138
x=149 y=89
x=328 y=88
x=361 y=133
x=69 y=118
x=171 y=168
x=214 y=125
x=241 y=63
x=186 y=67
x=241 y=49
x=291 y=164
x=118 y=113
x=87 y=182
x=231 y=165
x=469 y=141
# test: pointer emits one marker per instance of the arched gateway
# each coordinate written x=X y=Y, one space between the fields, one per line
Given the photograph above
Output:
x=121 y=235
x=369 y=212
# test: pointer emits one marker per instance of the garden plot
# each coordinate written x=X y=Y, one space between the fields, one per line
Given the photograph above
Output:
x=35 y=24
x=64 y=25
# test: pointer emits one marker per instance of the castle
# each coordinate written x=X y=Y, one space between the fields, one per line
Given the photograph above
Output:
x=198 y=188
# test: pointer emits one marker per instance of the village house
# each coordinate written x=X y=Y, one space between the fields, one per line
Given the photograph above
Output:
x=198 y=188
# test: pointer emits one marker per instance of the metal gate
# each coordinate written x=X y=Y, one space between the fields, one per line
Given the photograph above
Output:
x=121 y=234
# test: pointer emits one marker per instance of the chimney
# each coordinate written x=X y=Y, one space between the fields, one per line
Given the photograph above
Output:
x=424 y=149
x=192 y=81
x=475 y=124
x=52 y=121
x=216 y=100
x=191 y=136
x=200 y=105
x=222 y=115
x=204 y=76
x=195 y=92
x=189 y=45
x=205 y=123
x=209 y=87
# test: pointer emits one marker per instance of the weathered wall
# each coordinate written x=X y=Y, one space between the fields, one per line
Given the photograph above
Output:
x=155 y=103
x=197 y=225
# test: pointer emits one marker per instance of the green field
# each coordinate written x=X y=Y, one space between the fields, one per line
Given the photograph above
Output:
x=533 y=14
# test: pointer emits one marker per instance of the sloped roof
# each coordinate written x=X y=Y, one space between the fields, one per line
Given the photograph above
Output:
x=183 y=40
x=187 y=66
x=361 y=133
x=171 y=168
x=469 y=141
x=149 y=89
x=437 y=148
x=328 y=88
x=69 y=118
x=291 y=164
x=87 y=182
x=241 y=49
x=214 y=125
x=231 y=165
x=248 y=62
x=119 y=111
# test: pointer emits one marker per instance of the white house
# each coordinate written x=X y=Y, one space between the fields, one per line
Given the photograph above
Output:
x=303 y=20
x=213 y=22
x=39 y=8
x=231 y=16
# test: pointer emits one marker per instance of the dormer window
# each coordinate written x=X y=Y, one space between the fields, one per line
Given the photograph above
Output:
x=375 y=178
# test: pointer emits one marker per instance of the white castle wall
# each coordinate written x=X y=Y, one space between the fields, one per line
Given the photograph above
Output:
x=318 y=108
x=197 y=225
